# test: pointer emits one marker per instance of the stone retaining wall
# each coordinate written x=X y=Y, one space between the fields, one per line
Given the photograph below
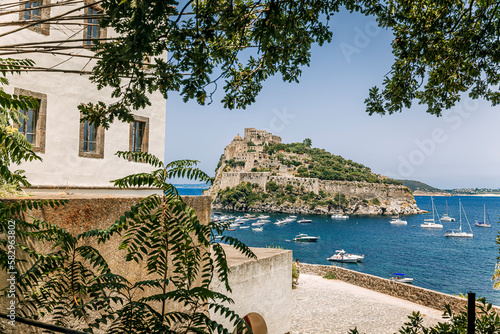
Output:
x=415 y=294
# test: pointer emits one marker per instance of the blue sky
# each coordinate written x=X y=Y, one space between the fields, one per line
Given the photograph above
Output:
x=459 y=149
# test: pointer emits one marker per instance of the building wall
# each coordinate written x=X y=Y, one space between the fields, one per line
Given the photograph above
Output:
x=262 y=286
x=62 y=166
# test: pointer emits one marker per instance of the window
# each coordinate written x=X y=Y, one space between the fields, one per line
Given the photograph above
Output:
x=32 y=123
x=92 y=31
x=32 y=11
x=27 y=124
x=91 y=141
x=139 y=134
x=35 y=11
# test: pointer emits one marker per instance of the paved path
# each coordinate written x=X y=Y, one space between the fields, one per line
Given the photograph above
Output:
x=331 y=306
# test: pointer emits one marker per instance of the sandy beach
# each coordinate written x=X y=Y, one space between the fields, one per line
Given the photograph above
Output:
x=330 y=306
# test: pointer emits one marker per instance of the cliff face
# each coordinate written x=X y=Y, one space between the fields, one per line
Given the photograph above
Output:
x=265 y=192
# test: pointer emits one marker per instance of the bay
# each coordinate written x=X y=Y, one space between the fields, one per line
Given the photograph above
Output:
x=442 y=264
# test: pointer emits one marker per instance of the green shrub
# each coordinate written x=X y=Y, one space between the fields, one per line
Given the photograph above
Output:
x=330 y=275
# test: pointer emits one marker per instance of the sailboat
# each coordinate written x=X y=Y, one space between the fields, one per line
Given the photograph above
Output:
x=446 y=217
x=398 y=221
x=460 y=233
x=431 y=223
x=483 y=223
x=338 y=214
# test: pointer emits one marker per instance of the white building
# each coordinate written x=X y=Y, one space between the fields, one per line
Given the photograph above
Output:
x=75 y=155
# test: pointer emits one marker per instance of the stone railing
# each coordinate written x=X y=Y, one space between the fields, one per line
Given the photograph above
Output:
x=415 y=294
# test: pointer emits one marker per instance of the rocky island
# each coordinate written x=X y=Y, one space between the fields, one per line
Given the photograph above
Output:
x=259 y=173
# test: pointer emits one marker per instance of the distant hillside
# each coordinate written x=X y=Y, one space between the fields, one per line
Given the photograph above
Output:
x=420 y=186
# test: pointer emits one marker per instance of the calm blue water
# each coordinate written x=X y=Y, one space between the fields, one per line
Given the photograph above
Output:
x=443 y=264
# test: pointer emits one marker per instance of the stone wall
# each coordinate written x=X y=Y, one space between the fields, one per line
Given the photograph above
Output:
x=262 y=286
x=393 y=199
x=415 y=294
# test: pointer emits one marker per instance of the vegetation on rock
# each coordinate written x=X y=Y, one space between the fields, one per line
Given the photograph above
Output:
x=320 y=164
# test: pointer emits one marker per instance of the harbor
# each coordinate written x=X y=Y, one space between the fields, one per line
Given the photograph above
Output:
x=449 y=265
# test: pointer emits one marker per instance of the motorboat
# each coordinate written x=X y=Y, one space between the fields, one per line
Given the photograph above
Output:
x=401 y=278
x=292 y=217
x=281 y=222
x=431 y=222
x=242 y=227
x=263 y=221
x=249 y=216
x=257 y=229
x=258 y=223
x=398 y=221
x=446 y=217
x=342 y=256
x=304 y=221
x=302 y=237
x=483 y=223
x=231 y=229
x=263 y=217
x=459 y=233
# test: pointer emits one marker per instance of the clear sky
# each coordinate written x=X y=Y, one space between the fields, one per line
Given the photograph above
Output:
x=458 y=150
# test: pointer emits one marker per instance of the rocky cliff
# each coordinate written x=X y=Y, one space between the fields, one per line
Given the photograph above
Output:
x=265 y=192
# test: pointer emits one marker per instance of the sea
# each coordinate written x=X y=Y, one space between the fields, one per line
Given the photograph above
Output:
x=450 y=265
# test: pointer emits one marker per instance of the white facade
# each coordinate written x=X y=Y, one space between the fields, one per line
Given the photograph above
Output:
x=63 y=163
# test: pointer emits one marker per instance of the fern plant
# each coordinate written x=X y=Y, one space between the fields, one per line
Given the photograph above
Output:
x=73 y=284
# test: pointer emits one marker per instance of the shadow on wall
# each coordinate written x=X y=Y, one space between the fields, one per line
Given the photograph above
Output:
x=255 y=322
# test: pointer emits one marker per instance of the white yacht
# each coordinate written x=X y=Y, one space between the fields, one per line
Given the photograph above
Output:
x=398 y=221
x=446 y=217
x=342 y=256
x=304 y=221
x=338 y=214
x=459 y=233
x=483 y=223
x=302 y=237
x=431 y=223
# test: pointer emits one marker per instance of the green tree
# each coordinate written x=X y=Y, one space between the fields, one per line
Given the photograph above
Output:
x=74 y=285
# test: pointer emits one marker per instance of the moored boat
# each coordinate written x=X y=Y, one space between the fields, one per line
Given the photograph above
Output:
x=483 y=223
x=342 y=256
x=459 y=233
x=257 y=229
x=431 y=222
x=302 y=237
x=401 y=278
x=304 y=221
x=398 y=221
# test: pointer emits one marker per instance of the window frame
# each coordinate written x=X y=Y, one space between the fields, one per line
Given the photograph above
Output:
x=88 y=40
x=41 y=119
x=42 y=28
x=145 y=134
x=98 y=153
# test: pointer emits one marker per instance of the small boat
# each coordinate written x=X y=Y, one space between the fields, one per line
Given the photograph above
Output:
x=302 y=237
x=281 y=222
x=342 y=256
x=338 y=214
x=257 y=229
x=398 y=221
x=459 y=233
x=263 y=221
x=263 y=217
x=304 y=221
x=258 y=223
x=234 y=225
x=242 y=227
x=446 y=217
x=231 y=229
x=483 y=223
x=431 y=223
x=401 y=278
